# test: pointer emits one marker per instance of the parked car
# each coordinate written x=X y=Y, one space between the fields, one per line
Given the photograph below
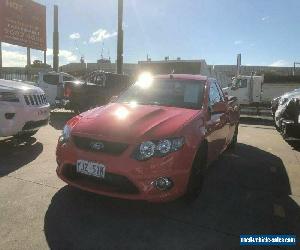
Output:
x=23 y=109
x=96 y=90
x=154 y=142
x=53 y=83
x=286 y=110
x=280 y=99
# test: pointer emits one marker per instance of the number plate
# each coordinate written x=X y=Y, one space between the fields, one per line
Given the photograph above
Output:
x=90 y=168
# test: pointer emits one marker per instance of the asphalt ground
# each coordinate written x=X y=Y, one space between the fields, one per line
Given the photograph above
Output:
x=254 y=189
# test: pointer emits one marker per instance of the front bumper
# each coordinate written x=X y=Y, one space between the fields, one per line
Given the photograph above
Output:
x=21 y=119
x=126 y=177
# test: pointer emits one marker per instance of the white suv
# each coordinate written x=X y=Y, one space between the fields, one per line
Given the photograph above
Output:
x=23 y=109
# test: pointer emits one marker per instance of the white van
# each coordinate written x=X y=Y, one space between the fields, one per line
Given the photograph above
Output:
x=50 y=83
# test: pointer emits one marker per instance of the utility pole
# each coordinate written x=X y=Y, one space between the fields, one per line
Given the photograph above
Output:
x=294 y=70
x=120 y=38
x=28 y=57
x=45 y=57
x=28 y=65
x=238 y=64
x=0 y=60
x=55 y=40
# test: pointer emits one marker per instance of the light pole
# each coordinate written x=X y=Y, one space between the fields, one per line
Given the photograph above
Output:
x=294 y=71
x=120 y=38
x=55 y=40
x=0 y=59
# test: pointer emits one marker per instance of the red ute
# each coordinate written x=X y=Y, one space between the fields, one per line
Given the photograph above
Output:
x=153 y=142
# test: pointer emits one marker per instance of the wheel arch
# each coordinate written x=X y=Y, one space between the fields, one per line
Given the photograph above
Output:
x=203 y=145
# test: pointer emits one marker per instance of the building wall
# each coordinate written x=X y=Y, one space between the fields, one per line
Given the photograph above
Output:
x=171 y=66
x=230 y=70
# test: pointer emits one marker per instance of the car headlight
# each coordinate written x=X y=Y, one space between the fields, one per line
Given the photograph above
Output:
x=164 y=146
x=8 y=97
x=159 y=148
x=66 y=134
x=147 y=149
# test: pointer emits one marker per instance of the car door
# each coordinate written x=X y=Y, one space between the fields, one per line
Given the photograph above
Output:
x=217 y=122
x=240 y=89
x=229 y=116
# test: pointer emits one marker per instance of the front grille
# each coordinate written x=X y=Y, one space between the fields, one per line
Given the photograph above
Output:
x=33 y=125
x=114 y=148
x=113 y=182
x=35 y=100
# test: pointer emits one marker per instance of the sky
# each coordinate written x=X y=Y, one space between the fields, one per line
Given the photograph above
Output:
x=265 y=32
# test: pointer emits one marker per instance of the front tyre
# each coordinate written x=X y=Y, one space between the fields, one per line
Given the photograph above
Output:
x=233 y=142
x=196 y=178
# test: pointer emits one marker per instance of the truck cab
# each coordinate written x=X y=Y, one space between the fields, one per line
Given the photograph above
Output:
x=52 y=84
x=247 y=89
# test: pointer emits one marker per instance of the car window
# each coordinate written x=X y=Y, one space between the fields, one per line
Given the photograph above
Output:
x=166 y=92
x=214 y=95
x=51 y=79
x=220 y=92
x=241 y=83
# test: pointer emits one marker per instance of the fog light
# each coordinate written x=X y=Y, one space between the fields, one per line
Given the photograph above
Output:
x=163 y=183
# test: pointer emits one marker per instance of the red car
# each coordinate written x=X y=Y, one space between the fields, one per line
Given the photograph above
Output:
x=154 y=142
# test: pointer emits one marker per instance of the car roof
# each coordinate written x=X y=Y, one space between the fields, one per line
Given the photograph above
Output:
x=182 y=77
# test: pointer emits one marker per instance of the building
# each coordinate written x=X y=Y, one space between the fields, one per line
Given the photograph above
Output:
x=79 y=69
x=174 y=66
x=183 y=67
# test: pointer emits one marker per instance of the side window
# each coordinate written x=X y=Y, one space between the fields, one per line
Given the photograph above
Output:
x=243 y=83
x=214 y=95
x=51 y=79
x=220 y=92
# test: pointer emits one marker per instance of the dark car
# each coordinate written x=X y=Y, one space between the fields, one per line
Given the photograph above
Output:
x=287 y=114
x=95 y=90
x=275 y=102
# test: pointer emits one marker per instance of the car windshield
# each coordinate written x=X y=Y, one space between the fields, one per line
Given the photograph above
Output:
x=166 y=92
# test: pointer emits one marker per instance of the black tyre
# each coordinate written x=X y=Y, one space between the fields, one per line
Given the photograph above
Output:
x=233 y=142
x=196 y=178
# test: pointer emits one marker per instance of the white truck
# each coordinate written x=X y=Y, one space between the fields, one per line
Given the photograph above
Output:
x=52 y=83
x=24 y=109
x=255 y=90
